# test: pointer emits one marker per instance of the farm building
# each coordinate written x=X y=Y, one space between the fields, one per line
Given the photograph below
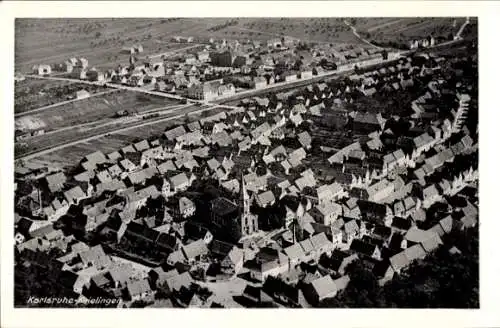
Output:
x=42 y=69
x=82 y=94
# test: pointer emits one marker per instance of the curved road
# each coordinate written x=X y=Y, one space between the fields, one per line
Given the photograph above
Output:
x=355 y=32
x=459 y=33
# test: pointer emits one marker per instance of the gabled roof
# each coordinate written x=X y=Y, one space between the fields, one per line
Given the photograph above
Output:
x=195 y=249
x=141 y=145
x=320 y=240
x=175 y=132
x=74 y=193
x=399 y=261
x=351 y=227
x=307 y=246
x=446 y=224
x=166 y=166
x=414 y=252
x=266 y=198
x=324 y=286
x=95 y=256
x=304 y=139
x=294 y=252
x=342 y=282
x=185 y=203
x=176 y=282
x=138 y=287
x=140 y=194
x=213 y=164
x=96 y=157
x=431 y=243
x=179 y=179
x=55 y=181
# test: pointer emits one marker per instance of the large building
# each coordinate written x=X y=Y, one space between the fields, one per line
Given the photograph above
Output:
x=211 y=90
x=230 y=220
x=222 y=59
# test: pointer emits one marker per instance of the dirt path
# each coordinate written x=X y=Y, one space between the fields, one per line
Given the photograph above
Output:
x=385 y=25
x=459 y=33
x=355 y=32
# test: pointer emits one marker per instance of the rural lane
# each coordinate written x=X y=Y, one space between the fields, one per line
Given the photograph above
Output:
x=459 y=33
x=355 y=32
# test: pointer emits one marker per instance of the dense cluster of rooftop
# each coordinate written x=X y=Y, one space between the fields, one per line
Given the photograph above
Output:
x=259 y=192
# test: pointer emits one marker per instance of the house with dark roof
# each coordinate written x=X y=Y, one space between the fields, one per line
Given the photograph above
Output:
x=366 y=249
x=364 y=123
x=257 y=297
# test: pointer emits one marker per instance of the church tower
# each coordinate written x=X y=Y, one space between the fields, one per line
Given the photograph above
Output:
x=248 y=221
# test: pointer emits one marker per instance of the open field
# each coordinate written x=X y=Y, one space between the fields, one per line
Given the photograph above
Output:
x=32 y=94
x=99 y=39
x=309 y=29
x=400 y=30
x=90 y=110
x=106 y=143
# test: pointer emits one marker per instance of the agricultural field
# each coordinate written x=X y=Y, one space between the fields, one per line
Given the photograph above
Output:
x=32 y=93
x=50 y=41
x=399 y=31
x=322 y=30
x=99 y=40
x=91 y=110
x=107 y=142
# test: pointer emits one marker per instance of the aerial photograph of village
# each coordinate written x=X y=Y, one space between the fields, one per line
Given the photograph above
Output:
x=246 y=162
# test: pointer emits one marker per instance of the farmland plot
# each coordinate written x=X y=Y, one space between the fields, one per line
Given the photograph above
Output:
x=32 y=93
x=90 y=110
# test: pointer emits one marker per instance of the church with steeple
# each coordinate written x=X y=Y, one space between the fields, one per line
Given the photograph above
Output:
x=231 y=220
x=249 y=222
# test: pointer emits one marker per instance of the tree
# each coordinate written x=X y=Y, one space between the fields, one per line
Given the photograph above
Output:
x=385 y=55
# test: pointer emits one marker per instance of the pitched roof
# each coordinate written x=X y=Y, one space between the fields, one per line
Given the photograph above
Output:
x=175 y=132
x=141 y=145
x=74 y=193
x=185 y=203
x=342 y=282
x=399 y=261
x=194 y=249
x=324 y=286
x=96 y=157
x=417 y=235
x=266 y=198
x=446 y=224
x=179 y=179
x=166 y=166
x=294 y=252
x=138 y=287
x=55 y=181
x=320 y=240
x=307 y=246
x=431 y=243
x=141 y=176
x=176 y=282
x=304 y=139
x=95 y=256
x=414 y=252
